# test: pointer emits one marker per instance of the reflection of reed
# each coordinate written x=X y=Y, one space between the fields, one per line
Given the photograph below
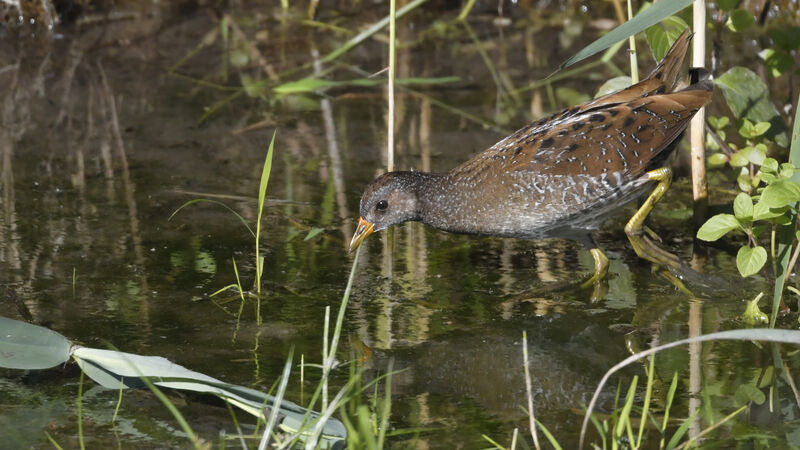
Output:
x=130 y=199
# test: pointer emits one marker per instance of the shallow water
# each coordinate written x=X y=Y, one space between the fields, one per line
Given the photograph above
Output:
x=101 y=144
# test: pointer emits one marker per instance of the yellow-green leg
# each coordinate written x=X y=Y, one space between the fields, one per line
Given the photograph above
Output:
x=642 y=244
x=600 y=267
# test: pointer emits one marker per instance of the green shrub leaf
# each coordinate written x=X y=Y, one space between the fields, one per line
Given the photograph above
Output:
x=743 y=207
x=717 y=160
x=750 y=260
x=764 y=212
x=718 y=226
x=781 y=193
x=748 y=97
x=740 y=20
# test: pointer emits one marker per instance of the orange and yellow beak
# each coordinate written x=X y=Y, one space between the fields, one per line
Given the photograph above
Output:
x=364 y=229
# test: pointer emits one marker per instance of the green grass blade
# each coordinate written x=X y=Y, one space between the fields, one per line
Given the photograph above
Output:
x=549 y=436
x=262 y=193
x=746 y=334
x=648 y=394
x=785 y=234
x=681 y=431
x=624 y=416
x=645 y=19
x=273 y=416
x=670 y=397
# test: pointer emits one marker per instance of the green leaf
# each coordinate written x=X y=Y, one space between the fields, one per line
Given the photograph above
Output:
x=26 y=346
x=744 y=181
x=787 y=38
x=747 y=393
x=750 y=260
x=740 y=20
x=661 y=35
x=569 y=96
x=752 y=316
x=748 y=98
x=769 y=165
x=314 y=231
x=763 y=212
x=613 y=85
x=717 y=226
x=781 y=193
x=761 y=128
x=727 y=5
x=741 y=158
x=743 y=207
x=718 y=122
x=647 y=18
x=777 y=61
x=717 y=160
x=711 y=144
x=108 y=368
x=758 y=154
x=787 y=170
x=746 y=129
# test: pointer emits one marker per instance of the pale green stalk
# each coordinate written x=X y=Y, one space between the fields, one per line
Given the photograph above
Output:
x=648 y=394
x=390 y=125
x=632 y=44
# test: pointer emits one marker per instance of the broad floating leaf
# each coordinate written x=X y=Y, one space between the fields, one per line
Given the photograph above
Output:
x=27 y=346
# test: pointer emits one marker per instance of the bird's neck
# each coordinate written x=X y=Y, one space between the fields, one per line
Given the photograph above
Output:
x=441 y=202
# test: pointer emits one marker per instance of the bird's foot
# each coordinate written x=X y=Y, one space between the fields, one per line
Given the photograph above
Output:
x=598 y=279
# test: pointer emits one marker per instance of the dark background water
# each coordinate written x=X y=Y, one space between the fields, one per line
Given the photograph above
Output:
x=101 y=143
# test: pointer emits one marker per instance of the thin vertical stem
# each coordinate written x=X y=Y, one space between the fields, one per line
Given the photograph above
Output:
x=390 y=125
x=529 y=390
x=632 y=43
x=697 y=130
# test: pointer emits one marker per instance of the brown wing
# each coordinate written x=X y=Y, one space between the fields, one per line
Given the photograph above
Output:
x=622 y=131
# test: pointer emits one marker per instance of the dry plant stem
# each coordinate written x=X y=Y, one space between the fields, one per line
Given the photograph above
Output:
x=792 y=262
x=529 y=390
x=699 y=187
x=632 y=44
x=723 y=146
x=390 y=124
x=791 y=383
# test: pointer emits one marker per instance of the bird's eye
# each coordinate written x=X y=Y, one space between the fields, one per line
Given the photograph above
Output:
x=381 y=205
